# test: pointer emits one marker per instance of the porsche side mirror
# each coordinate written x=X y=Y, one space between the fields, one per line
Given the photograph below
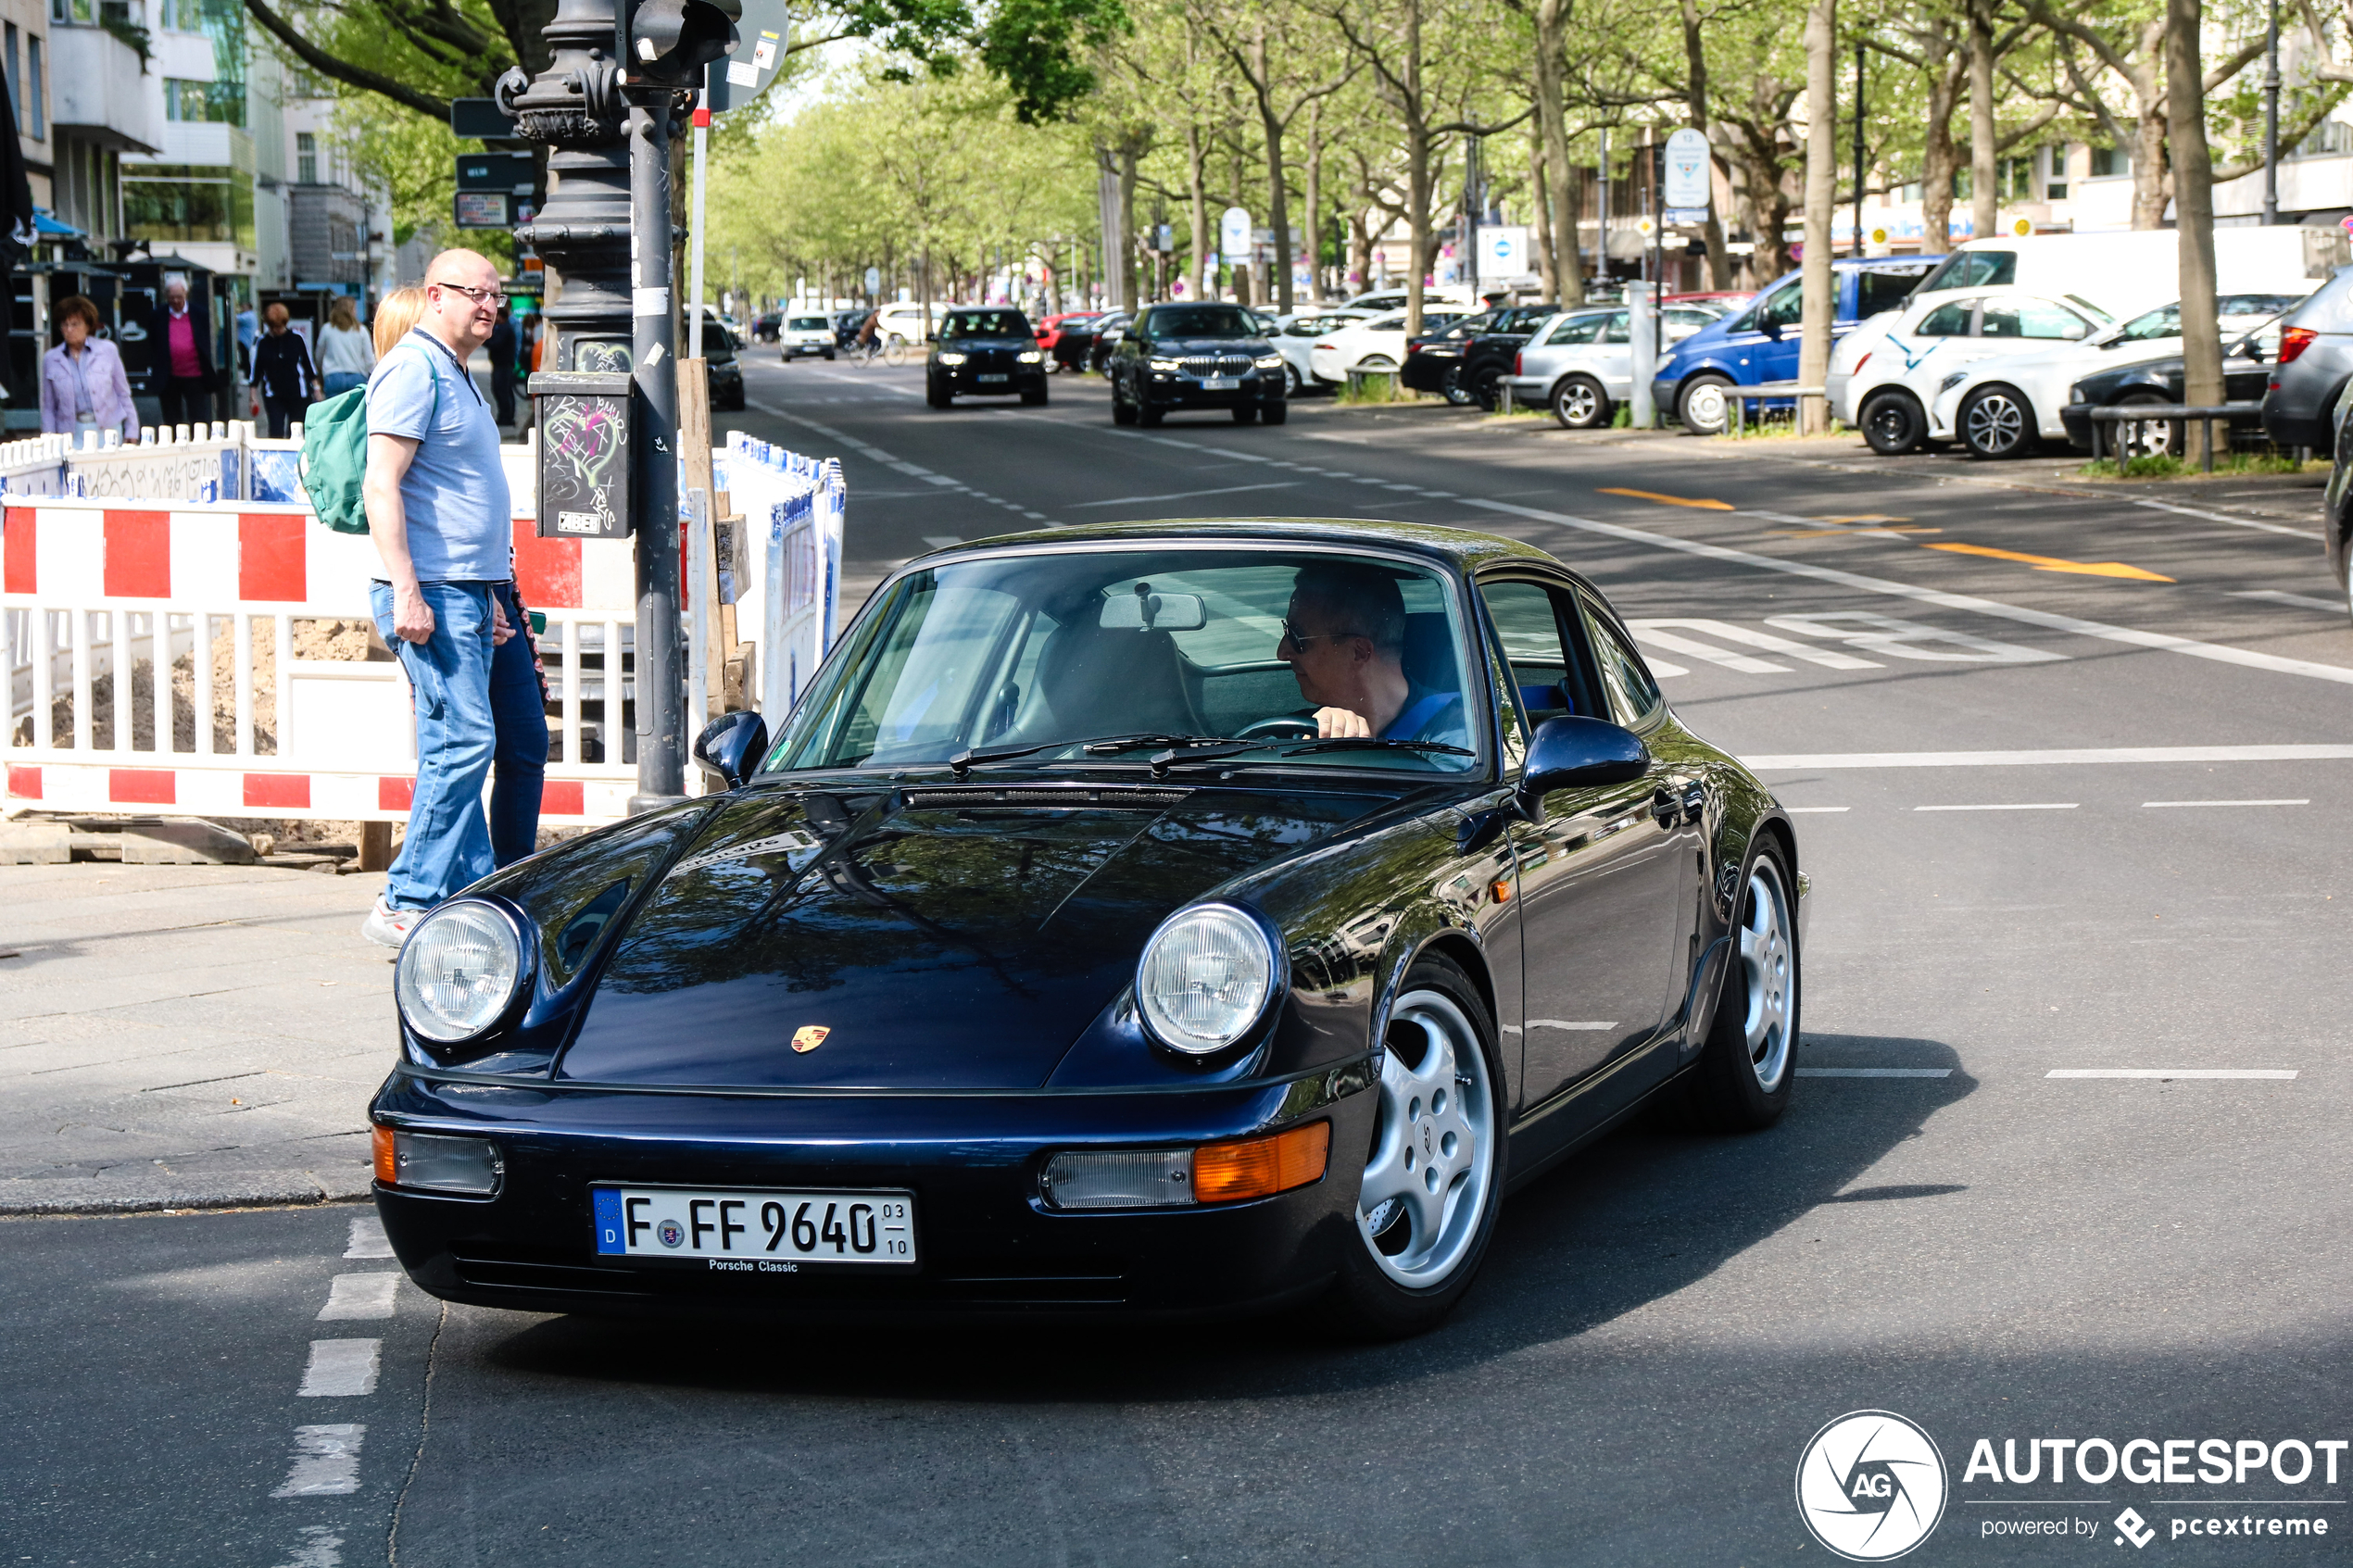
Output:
x=1576 y=753
x=731 y=744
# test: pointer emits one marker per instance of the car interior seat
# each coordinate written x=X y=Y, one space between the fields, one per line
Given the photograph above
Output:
x=1095 y=681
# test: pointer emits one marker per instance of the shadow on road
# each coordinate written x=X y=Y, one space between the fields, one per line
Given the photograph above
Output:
x=1635 y=1218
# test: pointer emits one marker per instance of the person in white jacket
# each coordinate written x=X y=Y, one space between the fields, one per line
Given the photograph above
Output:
x=345 y=352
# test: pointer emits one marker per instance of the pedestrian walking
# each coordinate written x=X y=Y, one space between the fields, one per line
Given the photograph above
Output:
x=183 y=347
x=82 y=384
x=395 y=313
x=437 y=508
x=345 y=352
x=505 y=345
x=282 y=370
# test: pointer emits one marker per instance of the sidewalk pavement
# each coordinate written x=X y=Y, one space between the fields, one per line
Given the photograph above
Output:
x=186 y=1036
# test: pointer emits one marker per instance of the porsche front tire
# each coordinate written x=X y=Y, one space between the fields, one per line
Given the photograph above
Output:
x=1432 y=1181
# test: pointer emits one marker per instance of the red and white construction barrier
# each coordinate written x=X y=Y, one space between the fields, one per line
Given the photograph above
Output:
x=89 y=587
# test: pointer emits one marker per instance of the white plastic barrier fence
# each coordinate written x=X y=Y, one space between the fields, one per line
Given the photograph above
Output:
x=793 y=509
x=222 y=462
x=89 y=589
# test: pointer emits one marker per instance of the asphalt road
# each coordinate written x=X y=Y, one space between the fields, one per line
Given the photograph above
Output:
x=2052 y=831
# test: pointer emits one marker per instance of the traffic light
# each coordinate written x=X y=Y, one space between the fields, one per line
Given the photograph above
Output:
x=667 y=43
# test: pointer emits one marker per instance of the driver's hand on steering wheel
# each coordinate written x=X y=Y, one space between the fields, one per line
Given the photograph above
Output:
x=1339 y=723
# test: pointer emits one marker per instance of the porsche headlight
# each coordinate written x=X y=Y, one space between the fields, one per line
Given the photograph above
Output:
x=952 y=359
x=1206 y=977
x=460 y=971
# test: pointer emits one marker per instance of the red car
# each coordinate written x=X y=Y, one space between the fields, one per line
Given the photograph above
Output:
x=1049 y=330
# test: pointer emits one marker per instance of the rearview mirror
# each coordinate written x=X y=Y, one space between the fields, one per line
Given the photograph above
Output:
x=1577 y=753
x=1161 y=612
x=731 y=744
x=1770 y=328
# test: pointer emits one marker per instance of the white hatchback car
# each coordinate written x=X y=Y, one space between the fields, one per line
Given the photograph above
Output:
x=1296 y=336
x=1884 y=374
x=1580 y=363
x=2007 y=408
x=1374 y=345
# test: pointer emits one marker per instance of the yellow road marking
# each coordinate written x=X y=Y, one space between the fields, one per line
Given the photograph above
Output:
x=1672 y=500
x=1867 y=516
x=1847 y=532
x=2052 y=563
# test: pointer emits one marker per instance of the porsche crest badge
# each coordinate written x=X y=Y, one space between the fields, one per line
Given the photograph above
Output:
x=809 y=1036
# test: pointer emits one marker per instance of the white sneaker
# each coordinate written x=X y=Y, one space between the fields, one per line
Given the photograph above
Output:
x=387 y=925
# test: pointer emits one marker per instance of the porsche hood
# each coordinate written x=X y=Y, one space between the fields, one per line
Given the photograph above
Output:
x=944 y=939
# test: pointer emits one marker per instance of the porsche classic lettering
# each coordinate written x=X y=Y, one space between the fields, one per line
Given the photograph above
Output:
x=1196 y=888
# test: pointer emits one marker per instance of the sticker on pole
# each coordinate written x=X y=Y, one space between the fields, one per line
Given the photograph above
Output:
x=757 y=53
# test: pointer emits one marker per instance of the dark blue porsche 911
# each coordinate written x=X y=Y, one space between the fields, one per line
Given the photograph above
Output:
x=1180 y=918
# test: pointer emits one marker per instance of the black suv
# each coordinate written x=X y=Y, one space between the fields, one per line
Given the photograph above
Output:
x=989 y=353
x=1434 y=361
x=1180 y=357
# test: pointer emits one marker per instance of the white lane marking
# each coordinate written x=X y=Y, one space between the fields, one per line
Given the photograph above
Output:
x=872 y=453
x=2008 y=805
x=1563 y=1023
x=1186 y=494
x=2170 y=1072
x=359 y=1295
x=1808 y=761
x=2234 y=521
x=367 y=1238
x=1907 y=639
x=2308 y=601
x=2164 y=641
x=1793 y=810
x=1828 y=658
x=1648 y=633
x=1663 y=670
x=340 y=1367
x=1875 y=1073
x=942 y=541
x=861 y=381
x=2163 y=805
x=319 y=1547
x=326 y=1461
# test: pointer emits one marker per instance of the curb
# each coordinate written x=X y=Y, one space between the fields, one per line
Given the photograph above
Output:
x=150 y=1193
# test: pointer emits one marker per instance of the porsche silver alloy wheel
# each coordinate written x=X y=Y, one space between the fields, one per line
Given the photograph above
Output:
x=1432 y=1171
x=1994 y=423
x=1769 y=974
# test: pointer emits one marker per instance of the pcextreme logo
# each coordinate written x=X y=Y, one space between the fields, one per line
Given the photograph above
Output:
x=1871 y=1485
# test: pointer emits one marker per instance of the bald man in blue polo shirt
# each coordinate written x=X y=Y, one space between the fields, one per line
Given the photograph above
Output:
x=1345 y=640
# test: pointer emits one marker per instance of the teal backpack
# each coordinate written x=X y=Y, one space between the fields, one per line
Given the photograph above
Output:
x=334 y=456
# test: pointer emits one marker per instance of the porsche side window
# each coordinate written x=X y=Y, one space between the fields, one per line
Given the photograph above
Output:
x=1527 y=622
x=1634 y=695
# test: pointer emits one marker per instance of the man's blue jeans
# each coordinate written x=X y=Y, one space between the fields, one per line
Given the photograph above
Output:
x=478 y=709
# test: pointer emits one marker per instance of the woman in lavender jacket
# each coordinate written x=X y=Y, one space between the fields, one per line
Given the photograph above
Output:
x=82 y=386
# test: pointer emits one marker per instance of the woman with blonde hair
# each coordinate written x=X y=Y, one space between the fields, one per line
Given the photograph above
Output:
x=345 y=352
x=396 y=314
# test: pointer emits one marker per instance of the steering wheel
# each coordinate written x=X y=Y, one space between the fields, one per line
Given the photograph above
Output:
x=1288 y=725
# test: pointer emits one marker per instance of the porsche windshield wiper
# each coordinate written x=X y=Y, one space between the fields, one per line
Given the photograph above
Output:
x=965 y=760
x=1376 y=743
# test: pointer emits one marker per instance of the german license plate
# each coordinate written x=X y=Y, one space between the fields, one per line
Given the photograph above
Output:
x=1220 y=384
x=1002 y=376
x=755 y=1232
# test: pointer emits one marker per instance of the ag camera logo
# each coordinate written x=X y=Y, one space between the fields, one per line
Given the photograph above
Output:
x=1871 y=1485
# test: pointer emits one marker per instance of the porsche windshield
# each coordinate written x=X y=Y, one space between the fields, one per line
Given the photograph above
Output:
x=1248 y=657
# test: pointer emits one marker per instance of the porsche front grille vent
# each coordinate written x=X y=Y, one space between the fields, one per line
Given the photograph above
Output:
x=1032 y=799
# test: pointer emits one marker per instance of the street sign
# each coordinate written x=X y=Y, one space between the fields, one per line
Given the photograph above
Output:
x=479 y=119
x=1686 y=215
x=516 y=174
x=1234 y=234
x=747 y=71
x=485 y=209
x=1646 y=227
x=874 y=279
x=1503 y=250
x=1687 y=165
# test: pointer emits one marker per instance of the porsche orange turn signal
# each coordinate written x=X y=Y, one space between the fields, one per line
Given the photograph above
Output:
x=1228 y=1172
x=387 y=1167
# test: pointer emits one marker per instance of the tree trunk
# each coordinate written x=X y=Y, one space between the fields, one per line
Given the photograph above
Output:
x=1552 y=36
x=1204 y=265
x=2194 y=215
x=1980 y=121
x=1316 y=202
x=1940 y=160
x=1277 y=188
x=1360 y=255
x=1421 y=241
x=2151 y=187
x=1540 y=219
x=1128 y=152
x=1719 y=256
x=1821 y=190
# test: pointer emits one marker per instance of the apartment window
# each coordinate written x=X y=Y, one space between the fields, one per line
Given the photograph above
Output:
x=189 y=202
x=16 y=82
x=305 y=158
x=2014 y=178
x=2055 y=182
x=204 y=103
x=2329 y=138
x=2108 y=162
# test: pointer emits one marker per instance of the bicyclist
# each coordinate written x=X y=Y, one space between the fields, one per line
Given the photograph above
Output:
x=866 y=333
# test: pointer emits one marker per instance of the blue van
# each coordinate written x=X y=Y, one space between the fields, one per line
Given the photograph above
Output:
x=1761 y=342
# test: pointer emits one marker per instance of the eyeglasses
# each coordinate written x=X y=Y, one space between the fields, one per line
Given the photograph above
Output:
x=1292 y=636
x=479 y=296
